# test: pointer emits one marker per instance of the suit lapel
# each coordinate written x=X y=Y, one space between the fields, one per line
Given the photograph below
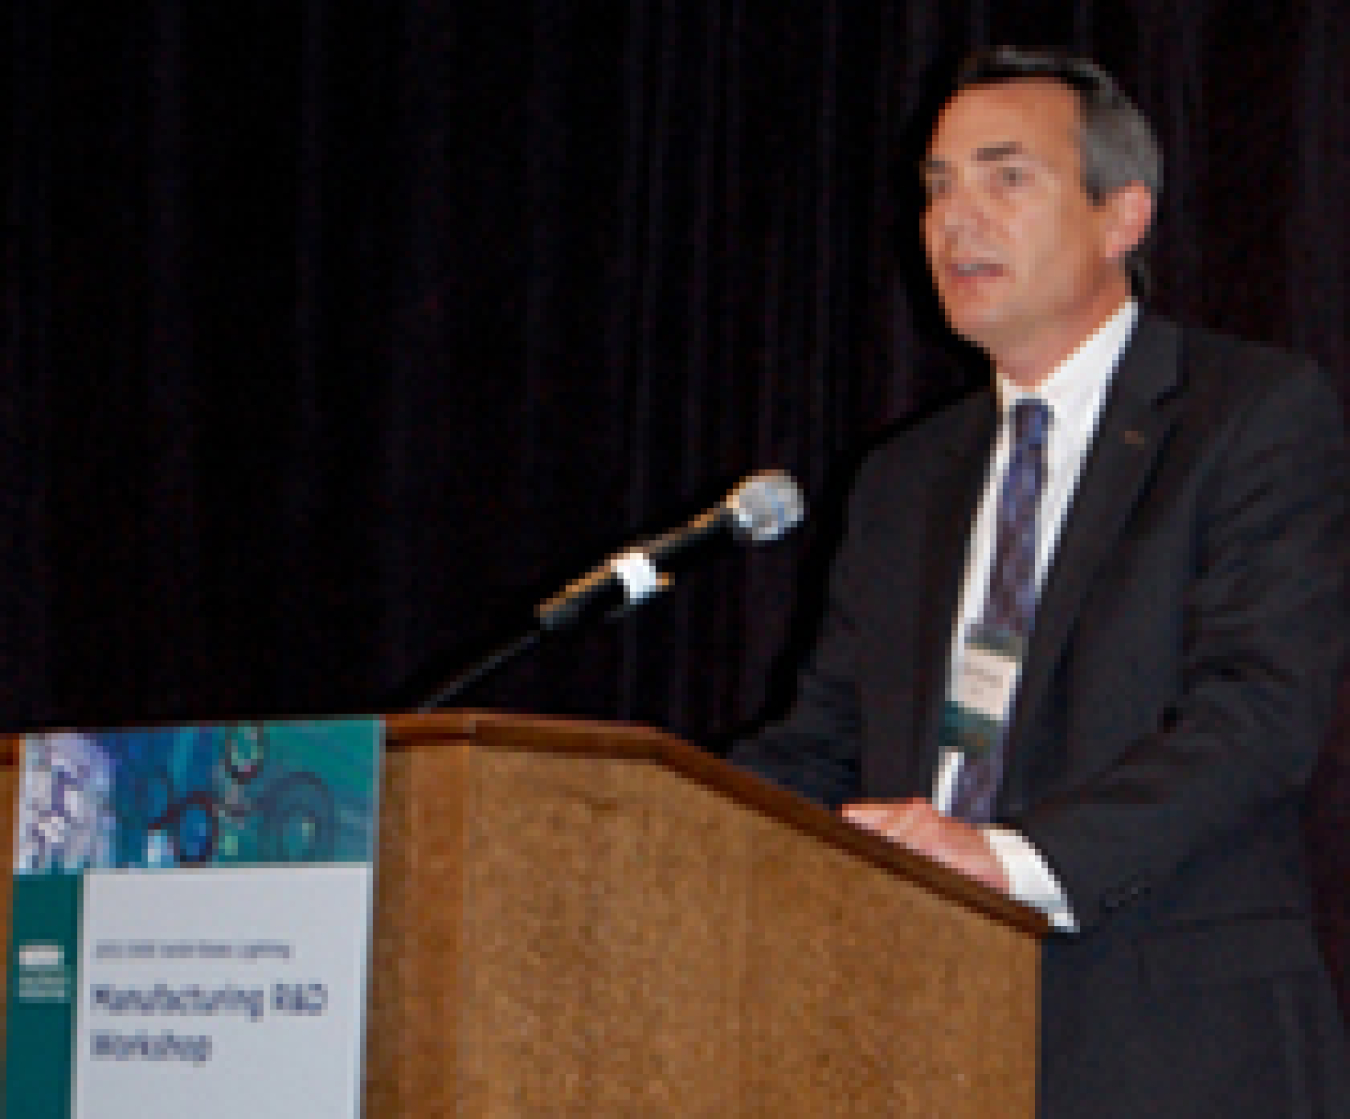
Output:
x=950 y=514
x=1141 y=407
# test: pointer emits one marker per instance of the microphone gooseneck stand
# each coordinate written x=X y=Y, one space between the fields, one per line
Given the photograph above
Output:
x=761 y=509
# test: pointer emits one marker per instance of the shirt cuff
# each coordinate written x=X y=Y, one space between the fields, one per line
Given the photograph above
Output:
x=1030 y=880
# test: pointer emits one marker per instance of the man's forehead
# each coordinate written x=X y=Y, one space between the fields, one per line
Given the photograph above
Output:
x=997 y=121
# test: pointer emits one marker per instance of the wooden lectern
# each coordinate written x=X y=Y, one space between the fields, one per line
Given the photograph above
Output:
x=584 y=919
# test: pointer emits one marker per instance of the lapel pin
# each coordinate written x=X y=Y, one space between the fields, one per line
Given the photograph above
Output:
x=1135 y=437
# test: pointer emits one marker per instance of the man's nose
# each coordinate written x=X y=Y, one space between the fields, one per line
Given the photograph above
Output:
x=957 y=210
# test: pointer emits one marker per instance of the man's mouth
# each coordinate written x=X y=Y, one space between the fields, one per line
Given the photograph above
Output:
x=974 y=269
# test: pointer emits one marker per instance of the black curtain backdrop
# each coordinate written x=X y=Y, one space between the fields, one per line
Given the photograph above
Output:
x=337 y=335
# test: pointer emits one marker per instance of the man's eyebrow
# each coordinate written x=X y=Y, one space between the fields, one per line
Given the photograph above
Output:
x=990 y=153
x=993 y=152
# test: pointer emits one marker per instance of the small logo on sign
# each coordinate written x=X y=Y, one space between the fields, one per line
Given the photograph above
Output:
x=40 y=955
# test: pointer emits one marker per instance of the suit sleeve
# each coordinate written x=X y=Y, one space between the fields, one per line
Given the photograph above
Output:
x=1263 y=645
x=814 y=750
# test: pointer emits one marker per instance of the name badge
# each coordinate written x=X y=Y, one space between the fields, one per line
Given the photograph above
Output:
x=987 y=674
x=974 y=715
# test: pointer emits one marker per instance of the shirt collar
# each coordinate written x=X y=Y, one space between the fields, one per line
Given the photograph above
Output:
x=1080 y=380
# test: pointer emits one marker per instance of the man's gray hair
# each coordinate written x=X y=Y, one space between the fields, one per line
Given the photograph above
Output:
x=1118 y=145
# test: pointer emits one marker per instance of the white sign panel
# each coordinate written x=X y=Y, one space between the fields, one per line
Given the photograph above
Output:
x=222 y=994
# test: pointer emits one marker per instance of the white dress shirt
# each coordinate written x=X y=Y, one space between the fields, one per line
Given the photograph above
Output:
x=1075 y=393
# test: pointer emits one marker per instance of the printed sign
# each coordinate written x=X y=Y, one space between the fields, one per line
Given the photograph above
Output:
x=191 y=919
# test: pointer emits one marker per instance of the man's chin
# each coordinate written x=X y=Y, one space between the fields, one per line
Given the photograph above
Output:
x=980 y=326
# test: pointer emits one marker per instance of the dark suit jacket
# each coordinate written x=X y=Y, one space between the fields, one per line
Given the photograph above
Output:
x=1188 y=641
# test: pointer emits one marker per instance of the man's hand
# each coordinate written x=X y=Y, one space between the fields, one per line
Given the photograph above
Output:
x=916 y=824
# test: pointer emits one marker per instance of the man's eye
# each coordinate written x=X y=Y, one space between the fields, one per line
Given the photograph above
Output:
x=1013 y=176
x=935 y=188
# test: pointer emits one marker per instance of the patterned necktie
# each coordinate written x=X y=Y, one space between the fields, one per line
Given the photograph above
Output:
x=1011 y=602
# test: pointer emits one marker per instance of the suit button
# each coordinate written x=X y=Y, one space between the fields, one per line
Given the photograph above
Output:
x=1115 y=899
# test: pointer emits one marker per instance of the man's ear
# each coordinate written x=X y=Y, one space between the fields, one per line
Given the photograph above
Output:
x=1129 y=214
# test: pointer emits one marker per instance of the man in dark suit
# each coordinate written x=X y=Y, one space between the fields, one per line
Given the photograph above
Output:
x=1110 y=707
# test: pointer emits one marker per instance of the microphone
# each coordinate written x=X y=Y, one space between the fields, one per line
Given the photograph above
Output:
x=763 y=508
x=760 y=510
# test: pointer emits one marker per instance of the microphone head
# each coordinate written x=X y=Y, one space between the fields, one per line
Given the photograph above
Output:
x=765 y=506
